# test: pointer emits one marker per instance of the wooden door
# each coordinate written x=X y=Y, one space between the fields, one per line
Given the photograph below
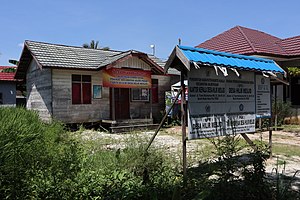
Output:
x=121 y=98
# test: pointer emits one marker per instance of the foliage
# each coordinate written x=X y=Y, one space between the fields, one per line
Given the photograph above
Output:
x=128 y=174
x=233 y=174
x=294 y=71
x=36 y=159
x=283 y=184
x=94 y=45
x=43 y=161
x=9 y=70
x=282 y=109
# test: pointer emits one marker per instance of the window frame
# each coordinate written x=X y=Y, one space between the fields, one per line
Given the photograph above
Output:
x=140 y=90
x=85 y=88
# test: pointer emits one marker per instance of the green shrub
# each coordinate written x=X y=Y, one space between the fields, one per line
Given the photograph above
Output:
x=129 y=173
x=282 y=109
x=233 y=174
x=36 y=159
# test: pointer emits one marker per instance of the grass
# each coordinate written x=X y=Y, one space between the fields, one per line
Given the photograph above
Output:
x=286 y=149
x=291 y=128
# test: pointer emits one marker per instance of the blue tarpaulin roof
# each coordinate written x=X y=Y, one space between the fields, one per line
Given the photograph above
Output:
x=209 y=57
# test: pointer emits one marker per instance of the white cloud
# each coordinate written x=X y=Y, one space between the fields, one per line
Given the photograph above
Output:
x=21 y=45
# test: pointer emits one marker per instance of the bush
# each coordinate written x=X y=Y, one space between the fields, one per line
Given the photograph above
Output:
x=129 y=173
x=36 y=159
x=282 y=109
x=43 y=161
x=234 y=174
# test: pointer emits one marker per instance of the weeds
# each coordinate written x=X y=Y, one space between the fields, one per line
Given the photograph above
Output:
x=283 y=183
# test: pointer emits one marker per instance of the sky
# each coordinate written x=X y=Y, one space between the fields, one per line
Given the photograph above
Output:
x=137 y=24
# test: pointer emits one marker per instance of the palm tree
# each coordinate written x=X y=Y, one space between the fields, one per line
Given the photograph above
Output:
x=92 y=45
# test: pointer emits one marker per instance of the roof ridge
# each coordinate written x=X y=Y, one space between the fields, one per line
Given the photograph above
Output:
x=290 y=38
x=79 y=47
x=247 y=39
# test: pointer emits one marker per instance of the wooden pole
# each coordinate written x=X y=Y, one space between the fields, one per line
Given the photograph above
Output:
x=162 y=121
x=270 y=137
x=275 y=110
x=249 y=141
x=183 y=125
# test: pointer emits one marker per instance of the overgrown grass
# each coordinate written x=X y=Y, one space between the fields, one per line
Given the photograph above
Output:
x=291 y=128
x=44 y=161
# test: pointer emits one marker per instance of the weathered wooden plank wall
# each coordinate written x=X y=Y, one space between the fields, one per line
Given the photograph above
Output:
x=50 y=92
x=39 y=91
x=62 y=98
x=134 y=63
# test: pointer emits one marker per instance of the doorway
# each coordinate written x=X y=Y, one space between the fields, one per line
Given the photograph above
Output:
x=121 y=103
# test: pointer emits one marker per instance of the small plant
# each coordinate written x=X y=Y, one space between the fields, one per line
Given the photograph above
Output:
x=236 y=174
x=284 y=183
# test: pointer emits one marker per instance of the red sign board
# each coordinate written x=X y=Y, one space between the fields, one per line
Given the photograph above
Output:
x=126 y=78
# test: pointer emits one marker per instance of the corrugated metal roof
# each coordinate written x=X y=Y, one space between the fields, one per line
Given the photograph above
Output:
x=210 y=57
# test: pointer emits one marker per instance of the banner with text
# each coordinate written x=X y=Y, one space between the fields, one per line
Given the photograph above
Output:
x=126 y=78
x=220 y=105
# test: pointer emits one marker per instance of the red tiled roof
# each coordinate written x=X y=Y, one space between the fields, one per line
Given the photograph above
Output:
x=242 y=40
x=7 y=76
x=292 y=45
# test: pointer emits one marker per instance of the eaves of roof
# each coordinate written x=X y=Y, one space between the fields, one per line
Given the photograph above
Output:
x=190 y=56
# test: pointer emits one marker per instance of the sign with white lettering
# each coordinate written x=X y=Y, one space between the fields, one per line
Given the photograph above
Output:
x=220 y=105
x=263 y=101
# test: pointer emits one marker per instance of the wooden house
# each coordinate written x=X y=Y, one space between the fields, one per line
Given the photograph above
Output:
x=78 y=85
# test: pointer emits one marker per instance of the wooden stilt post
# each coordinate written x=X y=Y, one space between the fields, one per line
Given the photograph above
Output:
x=183 y=126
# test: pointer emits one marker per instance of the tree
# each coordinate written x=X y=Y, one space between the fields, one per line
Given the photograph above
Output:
x=94 y=45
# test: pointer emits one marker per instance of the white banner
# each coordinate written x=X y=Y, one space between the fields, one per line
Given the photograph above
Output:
x=220 y=125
